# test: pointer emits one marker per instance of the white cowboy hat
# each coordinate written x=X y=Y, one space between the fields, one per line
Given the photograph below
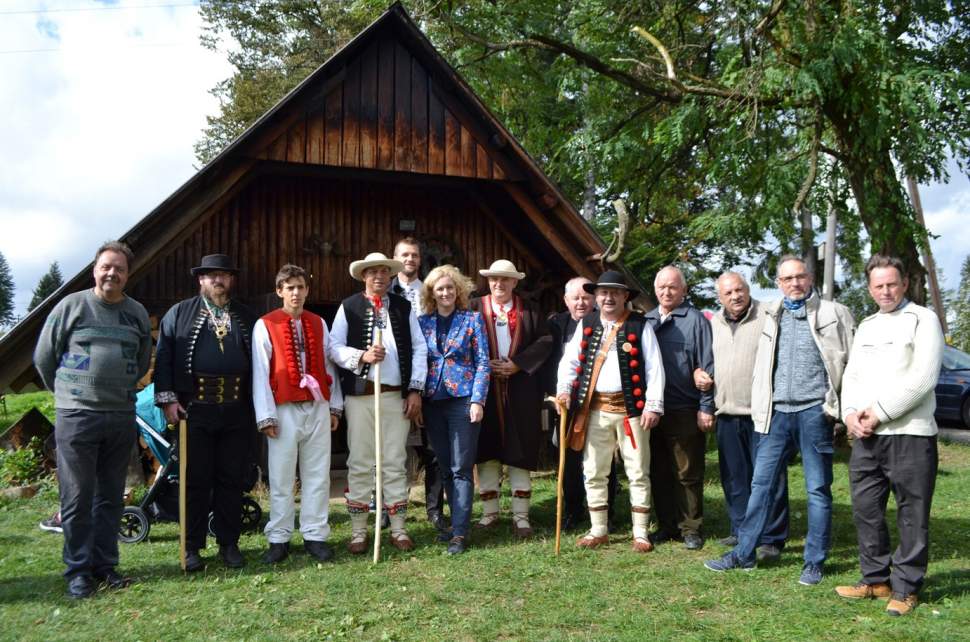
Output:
x=374 y=259
x=503 y=267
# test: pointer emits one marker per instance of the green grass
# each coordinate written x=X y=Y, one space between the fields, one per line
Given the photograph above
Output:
x=17 y=405
x=499 y=590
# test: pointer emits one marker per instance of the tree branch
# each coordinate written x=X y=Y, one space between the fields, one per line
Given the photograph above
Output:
x=769 y=18
x=812 y=169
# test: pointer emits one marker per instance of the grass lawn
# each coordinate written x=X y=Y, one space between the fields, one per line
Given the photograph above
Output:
x=498 y=590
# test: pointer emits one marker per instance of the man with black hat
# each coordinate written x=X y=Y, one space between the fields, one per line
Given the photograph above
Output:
x=403 y=355
x=203 y=372
x=612 y=377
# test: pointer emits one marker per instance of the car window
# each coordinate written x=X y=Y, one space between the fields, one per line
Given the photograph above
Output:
x=954 y=359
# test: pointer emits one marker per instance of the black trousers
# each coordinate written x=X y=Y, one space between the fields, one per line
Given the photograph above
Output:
x=905 y=464
x=220 y=438
x=434 y=490
x=677 y=472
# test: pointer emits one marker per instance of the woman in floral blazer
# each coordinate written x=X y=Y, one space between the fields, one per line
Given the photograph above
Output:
x=455 y=390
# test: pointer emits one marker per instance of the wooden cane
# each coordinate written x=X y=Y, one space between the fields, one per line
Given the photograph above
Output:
x=562 y=468
x=379 y=477
x=183 y=508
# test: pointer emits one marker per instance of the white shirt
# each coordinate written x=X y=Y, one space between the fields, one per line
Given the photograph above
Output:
x=349 y=358
x=263 y=401
x=609 y=377
x=412 y=292
x=503 y=334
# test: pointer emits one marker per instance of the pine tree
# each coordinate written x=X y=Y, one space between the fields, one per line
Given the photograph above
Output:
x=960 y=310
x=6 y=292
x=47 y=285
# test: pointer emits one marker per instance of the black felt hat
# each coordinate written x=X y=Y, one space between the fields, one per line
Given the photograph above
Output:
x=215 y=263
x=611 y=279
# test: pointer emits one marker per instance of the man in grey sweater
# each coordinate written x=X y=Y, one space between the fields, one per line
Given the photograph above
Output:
x=92 y=351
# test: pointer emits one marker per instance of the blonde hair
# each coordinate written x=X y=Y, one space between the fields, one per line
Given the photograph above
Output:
x=463 y=288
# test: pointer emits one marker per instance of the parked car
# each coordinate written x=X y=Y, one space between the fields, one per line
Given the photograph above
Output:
x=953 y=387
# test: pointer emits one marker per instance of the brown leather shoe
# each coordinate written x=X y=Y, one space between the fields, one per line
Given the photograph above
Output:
x=901 y=604
x=642 y=545
x=402 y=542
x=522 y=532
x=863 y=591
x=358 y=545
x=489 y=520
x=592 y=541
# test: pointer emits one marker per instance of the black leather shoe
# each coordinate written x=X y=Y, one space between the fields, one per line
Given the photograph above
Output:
x=193 y=561
x=276 y=553
x=113 y=580
x=232 y=556
x=693 y=542
x=659 y=537
x=457 y=546
x=320 y=551
x=438 y=521
x=80 y=587
x=444 y=535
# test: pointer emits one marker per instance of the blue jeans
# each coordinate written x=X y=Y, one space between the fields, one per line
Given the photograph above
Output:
x=810 y=431
x=92 y=461
x=737 y=448
x=454 y=439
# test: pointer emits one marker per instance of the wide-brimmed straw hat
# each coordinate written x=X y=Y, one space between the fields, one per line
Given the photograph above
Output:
x=374 y=259
x=503 y=267
x=215 y=263
x=611 y=279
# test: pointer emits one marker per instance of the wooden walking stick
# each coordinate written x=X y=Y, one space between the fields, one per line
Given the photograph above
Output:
x=379 y=481
x=183 y=508
x=562 y=467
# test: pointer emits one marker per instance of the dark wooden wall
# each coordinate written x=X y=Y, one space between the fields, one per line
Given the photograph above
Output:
x=323 y=224
x=388 y=113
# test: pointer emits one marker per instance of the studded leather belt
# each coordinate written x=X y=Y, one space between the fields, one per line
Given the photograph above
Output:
x=608 y=402
x=369 y=388
x=217 y=388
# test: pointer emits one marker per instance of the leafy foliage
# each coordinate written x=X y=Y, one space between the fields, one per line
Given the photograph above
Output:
x=959 y=307
x=6 y=292
x=47 y=285
x=22 y=466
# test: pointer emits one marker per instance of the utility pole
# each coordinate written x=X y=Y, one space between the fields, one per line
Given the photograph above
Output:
x=928 y=255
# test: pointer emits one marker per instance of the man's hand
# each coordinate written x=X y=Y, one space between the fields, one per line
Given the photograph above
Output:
x=270 y=430
x=476 y=412
x=705 y=421
x=503 y=367
x=334 y=422
x=869 y=420
x=649 y=420
x=173 y=412
x=702 y=380
x=412 y=407
x=374 y=354
x=563 y=400
x=855 y=427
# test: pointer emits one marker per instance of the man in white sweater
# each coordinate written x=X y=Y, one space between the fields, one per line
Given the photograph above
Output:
x=887 y=405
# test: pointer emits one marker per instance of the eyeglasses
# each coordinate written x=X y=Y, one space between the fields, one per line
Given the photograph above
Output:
x=793 y=277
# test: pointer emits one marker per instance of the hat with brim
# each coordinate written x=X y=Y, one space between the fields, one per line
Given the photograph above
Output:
x=374 y=259
x=215 y=263
x=503 y=267
x=611 y=279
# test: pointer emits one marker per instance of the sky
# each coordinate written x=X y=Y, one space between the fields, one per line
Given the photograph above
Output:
x=102 y=101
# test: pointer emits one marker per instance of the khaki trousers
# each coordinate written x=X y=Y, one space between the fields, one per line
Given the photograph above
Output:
x=360 y=439
x=604 y=433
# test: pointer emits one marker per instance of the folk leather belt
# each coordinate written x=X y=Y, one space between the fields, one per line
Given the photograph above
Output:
x=217 y=388
x=608 y=402
x=369 y=388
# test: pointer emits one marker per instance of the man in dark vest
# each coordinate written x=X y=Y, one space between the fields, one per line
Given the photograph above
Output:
x=403 y=355
x=298 y=404
x=203 y=372
x=612 y=377
x=519 y=343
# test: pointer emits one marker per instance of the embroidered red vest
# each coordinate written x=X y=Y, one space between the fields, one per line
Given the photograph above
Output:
x=284 y=367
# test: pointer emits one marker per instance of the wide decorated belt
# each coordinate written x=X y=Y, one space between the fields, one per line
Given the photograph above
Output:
x=217 y=388
x=608 y=402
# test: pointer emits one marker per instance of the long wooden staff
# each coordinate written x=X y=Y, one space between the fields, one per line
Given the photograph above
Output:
x=379 y=493
x=562 y=468
x=183 y=483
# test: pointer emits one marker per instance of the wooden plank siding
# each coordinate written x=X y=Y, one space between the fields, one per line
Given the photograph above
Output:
x=323 y=224
x=387 y=114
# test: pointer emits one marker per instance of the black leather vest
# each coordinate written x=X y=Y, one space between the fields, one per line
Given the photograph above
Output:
x=632 y=372
x=360 y=328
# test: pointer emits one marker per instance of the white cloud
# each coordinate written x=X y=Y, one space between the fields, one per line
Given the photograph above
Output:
x=97 y=131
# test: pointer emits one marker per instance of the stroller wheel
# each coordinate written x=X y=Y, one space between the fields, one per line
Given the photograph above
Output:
x=252 y=514
x=134 y=525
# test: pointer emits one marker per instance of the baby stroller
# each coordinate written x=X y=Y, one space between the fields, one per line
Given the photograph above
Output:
x=161 y=502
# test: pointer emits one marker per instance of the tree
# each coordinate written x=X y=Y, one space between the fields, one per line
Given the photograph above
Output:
x=727 y=127
x=959 y=305
x=47 y=285
x=6 y=292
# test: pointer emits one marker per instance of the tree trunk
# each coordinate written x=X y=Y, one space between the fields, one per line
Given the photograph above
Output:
x=879 y=197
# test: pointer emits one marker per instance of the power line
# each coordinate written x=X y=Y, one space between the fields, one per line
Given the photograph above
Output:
x=116 y=7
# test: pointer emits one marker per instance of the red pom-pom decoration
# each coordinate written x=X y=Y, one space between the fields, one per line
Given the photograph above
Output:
x=587 y=331
x=636 y=378
x=579 y=369
x=634 y=352
x=634 y=363
x=576 y=383
x=631 y=337
x=640 y=405
x=582 y=356
x=637 y=392
x=584 y=344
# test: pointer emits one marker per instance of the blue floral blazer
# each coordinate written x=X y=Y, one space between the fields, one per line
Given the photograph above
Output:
x=463 y=366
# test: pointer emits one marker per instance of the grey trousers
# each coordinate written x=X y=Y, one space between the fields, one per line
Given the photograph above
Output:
x=92 y=458
x=905 y=464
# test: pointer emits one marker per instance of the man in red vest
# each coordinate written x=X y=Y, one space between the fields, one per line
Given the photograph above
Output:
x=298 y=403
